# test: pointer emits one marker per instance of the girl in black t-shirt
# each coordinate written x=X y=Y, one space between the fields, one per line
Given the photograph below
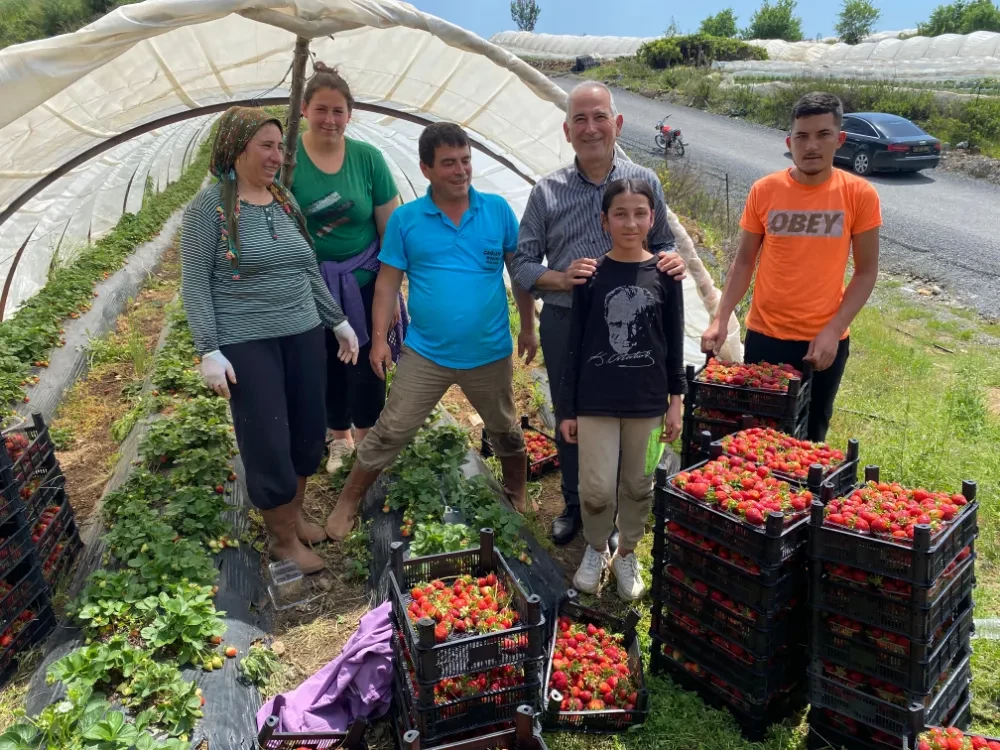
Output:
x=624 y=378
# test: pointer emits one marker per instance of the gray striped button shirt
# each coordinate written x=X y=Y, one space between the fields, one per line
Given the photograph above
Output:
x=562 y=222
x=279 y=293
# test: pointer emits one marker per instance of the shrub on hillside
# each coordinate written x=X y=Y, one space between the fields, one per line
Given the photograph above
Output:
x=696 y=49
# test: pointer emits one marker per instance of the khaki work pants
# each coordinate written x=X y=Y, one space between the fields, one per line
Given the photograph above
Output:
x=601 y=441
x=419 y=384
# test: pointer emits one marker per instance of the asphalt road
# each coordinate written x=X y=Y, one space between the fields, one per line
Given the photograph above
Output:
x=937 y=226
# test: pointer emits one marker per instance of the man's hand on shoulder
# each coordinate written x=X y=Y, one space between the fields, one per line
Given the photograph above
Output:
x=671 y=264
x=578 y=272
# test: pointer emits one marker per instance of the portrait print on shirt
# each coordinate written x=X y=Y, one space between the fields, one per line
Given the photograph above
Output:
x=328 y=213
x=629 y=312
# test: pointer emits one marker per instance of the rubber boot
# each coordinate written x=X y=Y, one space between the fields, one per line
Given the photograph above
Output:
x=515 y=481
x=285 y=544
x=340 y=522
x=308 y=533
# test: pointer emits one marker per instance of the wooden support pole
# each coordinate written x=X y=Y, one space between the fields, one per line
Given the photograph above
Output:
x=294 y=108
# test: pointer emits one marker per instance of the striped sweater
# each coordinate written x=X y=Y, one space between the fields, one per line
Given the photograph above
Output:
x=280 y=291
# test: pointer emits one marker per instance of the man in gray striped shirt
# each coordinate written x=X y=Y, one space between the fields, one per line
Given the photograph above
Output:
x=562 y=226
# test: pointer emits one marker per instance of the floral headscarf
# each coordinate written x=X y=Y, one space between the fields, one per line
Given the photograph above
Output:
x=237 y=126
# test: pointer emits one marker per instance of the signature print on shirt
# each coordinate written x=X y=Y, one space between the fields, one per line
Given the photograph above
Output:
x=328 y=213
x=628 y=313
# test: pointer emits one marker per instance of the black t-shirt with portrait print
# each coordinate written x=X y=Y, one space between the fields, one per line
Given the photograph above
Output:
x=626 y=347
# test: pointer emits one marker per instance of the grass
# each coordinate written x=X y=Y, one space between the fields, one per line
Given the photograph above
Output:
x=975 y=119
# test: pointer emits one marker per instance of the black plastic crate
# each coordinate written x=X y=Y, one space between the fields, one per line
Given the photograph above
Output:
x=460 y=655
x=696 y=445
x=892 y=718
x=536 y=468
x=769 y=545
x=918 y=623
x=62 y=557
x=915 y=670
x=753 y=718
x=15 y=544
x=612 y=720
x=522 y=736
x=21 y=586
x=762 y=639
x=487 y=709
x=56 y=516
x=269 y=738
x=27 y=451
x=41 y=491
x=793 y=404
x=730 y=579
x=843 y=477
x=918 y=563
x=756 y=680
x=30 y=628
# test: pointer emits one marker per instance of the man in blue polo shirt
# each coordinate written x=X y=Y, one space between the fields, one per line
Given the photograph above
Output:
x=452 y=244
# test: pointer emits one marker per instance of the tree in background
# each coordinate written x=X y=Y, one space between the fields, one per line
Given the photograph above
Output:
x=775 y=21
x=26 y=20
x=722 y=24
x=962 y=17
x=525 y=14
x=857 y=20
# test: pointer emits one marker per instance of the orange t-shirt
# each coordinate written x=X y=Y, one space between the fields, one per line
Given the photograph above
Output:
x=807 y=241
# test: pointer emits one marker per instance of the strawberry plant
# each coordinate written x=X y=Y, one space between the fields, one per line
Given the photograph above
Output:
x=434 y=538
x=183 y=624
x=259 y=665
x=763 y=376
x=890 y=511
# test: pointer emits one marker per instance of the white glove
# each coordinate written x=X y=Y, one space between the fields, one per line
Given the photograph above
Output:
x=348 y=341
x=215 y=369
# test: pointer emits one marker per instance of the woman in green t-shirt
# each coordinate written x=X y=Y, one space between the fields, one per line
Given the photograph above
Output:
x=347 y=193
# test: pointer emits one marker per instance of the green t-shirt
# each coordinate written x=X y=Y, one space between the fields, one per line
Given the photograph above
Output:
x=340 y=208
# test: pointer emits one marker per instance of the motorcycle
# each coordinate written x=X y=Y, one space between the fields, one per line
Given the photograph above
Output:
x=668 y=138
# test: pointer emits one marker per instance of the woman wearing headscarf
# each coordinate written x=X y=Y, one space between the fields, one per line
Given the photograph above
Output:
x=257 y=307
x=347 y=194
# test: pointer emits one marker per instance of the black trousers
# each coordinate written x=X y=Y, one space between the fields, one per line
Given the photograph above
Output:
x=277 y=406
x=826 y=383
x=554 y=334
x=354 y=393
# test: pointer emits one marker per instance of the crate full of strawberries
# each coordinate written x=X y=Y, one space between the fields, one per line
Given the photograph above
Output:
x=28 y=451
x=463 y=612
x=740 y=505
x=758 y=390
x=911 y=534
x=483 y=701
x=795 y=460
x=953 y=738
x=594 y=681
x=543 y=457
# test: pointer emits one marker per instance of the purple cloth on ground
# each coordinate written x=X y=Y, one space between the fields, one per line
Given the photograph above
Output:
x=343 y=286
x=356 y=684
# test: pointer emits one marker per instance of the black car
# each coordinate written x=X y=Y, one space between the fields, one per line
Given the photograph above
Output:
x=879 y=142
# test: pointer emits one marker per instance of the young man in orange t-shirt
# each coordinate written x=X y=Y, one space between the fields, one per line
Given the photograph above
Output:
x=801 y=224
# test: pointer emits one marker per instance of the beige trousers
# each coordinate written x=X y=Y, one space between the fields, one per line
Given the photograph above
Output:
x=417 y=387
x=601 y=441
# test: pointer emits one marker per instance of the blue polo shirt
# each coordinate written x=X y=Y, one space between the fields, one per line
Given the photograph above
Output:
x=457 y=299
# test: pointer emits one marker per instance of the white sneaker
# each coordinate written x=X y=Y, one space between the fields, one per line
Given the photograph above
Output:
x=626 y=570
x=340 y=449
x=588 y=576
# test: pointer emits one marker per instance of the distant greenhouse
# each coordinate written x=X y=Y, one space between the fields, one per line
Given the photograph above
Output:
x=884 y=55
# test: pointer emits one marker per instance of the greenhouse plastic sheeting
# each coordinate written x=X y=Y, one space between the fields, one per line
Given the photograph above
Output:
x=142 y=62
x=567 y=47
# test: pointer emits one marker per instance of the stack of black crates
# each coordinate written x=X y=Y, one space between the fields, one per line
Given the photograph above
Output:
x=422 y=662
x=730 y=614
x=891 y=629
x=38 y=539
x=721 y=410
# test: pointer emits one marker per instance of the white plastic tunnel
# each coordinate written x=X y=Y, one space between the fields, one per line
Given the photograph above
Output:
x=161 y=59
